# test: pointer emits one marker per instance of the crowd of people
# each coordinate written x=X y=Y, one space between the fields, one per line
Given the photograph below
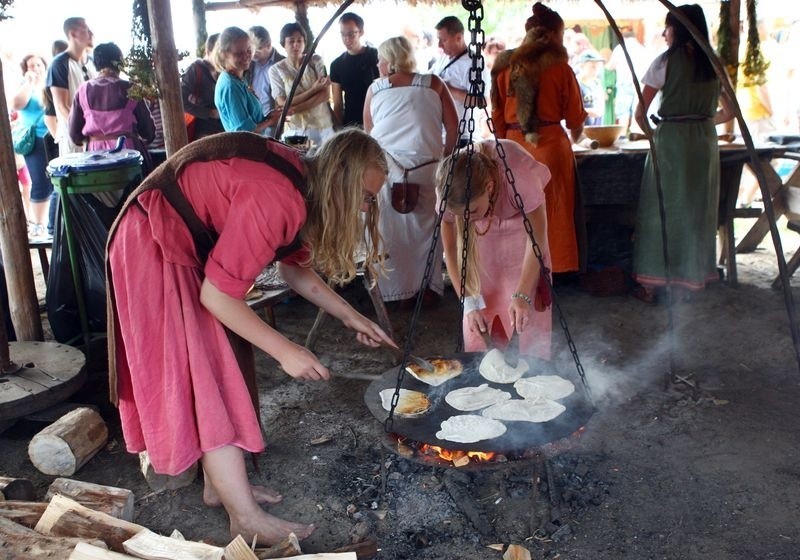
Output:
x=377 y=182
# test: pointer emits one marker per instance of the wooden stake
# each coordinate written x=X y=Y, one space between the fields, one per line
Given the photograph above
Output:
x=151 y=546
x=16 y=488
x=66 y=517
x=289 y=546
x=108 y=499
x=67 y=444
x=26 y=514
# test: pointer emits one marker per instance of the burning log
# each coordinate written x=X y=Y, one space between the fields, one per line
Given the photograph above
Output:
x=66 y=517
x=16 y=489
x=84 y=551
x=18 y=542
x=149 y=545
x=117 y=502
x=67 y=444
x=26 y=514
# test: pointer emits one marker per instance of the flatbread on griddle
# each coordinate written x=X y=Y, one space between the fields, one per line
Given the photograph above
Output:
x=551 y=387
x=409 y=403
x=475 y=398
x=469 y=428
x=494 y=368
x=443 y=369
x=525 y=410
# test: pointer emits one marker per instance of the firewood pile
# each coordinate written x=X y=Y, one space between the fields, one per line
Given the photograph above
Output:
x=84 y=521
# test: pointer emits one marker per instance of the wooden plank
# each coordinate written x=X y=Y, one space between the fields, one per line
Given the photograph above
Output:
x=84 y=551
x=151 y=546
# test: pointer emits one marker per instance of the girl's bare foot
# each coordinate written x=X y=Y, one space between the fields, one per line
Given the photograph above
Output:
x=262 y=495
x=268 y=529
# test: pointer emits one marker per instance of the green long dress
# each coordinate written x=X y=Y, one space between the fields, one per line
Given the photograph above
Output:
x=688 y=159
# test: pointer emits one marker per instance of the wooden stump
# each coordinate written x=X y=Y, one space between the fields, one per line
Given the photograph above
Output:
x=16 y=488
x=66 y=517
x=117 y=502
x=160 y=482
x=66 y=445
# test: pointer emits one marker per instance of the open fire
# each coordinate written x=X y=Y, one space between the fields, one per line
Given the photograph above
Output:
x=437 y=455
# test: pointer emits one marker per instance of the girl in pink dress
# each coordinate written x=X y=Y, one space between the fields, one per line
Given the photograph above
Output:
x=502 y=269
x=174 y=374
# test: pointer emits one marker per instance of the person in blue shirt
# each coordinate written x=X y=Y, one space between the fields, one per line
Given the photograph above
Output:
x=239 y=108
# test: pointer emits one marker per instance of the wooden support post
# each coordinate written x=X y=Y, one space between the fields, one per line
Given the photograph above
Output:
x=166 y=56
x=26 y=514
x=117 y=502
x=23 y=303
x=16 y=488
x=66 y=517
x=67 y=444
x=200 y=31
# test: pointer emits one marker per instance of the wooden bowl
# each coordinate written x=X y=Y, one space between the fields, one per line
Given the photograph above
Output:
x=605 y=135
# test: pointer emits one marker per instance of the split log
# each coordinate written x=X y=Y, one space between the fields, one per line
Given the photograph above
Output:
x=17 y=489
x=288 y=547
x=364 y=550
x=68 y=443
x=20 y=543
x=151 y=546
x=238 y=549
x=66 y=517
x=517 y=552
x=84 y=551
x=108 y=499
x=26 y=514
x=161 y=482
x=2 y=497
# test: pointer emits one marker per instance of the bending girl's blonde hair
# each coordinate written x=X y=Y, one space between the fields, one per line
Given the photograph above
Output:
x=483 y=170
x=334 y=228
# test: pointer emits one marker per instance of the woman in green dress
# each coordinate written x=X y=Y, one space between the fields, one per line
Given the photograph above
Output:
x=688 y=158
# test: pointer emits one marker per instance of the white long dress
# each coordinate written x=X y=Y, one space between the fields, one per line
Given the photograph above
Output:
x=407 y=122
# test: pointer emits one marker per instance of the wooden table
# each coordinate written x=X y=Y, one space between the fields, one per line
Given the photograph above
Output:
x=610 y=180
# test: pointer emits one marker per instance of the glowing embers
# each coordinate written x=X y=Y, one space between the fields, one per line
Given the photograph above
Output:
x=435 y=455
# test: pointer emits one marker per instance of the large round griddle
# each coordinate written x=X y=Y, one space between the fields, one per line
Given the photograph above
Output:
x=518 y=437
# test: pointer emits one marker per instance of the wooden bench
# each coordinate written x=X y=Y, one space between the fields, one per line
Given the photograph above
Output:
x=266 y=299
x=792 y=204
x=42 y=245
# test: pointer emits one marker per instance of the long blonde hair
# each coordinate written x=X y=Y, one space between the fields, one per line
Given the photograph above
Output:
x=334 y=228
x=483 y=169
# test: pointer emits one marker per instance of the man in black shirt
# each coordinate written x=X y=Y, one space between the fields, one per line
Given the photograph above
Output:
x=352 y=72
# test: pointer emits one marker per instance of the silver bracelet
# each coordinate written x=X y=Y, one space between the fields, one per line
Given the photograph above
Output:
x=524 y=297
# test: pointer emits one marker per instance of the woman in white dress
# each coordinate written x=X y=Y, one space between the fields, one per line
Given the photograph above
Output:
x=406 y=112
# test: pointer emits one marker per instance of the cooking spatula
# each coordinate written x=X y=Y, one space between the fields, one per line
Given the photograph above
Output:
x=421 y=362
x=511 y=355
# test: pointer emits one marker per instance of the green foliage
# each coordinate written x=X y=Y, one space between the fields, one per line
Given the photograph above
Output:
x=4 y=5
x=755 y=66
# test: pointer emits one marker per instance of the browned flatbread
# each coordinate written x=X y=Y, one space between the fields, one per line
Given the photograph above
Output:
x=409 y=403
x=443 y=369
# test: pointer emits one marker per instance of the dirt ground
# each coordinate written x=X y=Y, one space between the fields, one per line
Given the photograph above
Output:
x=682 y=473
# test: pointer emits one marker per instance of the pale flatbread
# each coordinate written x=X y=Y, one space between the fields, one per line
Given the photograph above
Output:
x=469 y=428
x=551 y=387
x=475 y=398
x=524 y=410
x=494 y=368
x=409 y=403
x=443 y=370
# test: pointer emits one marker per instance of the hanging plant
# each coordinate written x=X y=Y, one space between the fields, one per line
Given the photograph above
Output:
x=724 y=39
x=755 y=67
x=139 y=62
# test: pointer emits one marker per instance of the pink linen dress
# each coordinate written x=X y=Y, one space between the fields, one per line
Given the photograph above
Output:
x=181 y=392
x=502 y=248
